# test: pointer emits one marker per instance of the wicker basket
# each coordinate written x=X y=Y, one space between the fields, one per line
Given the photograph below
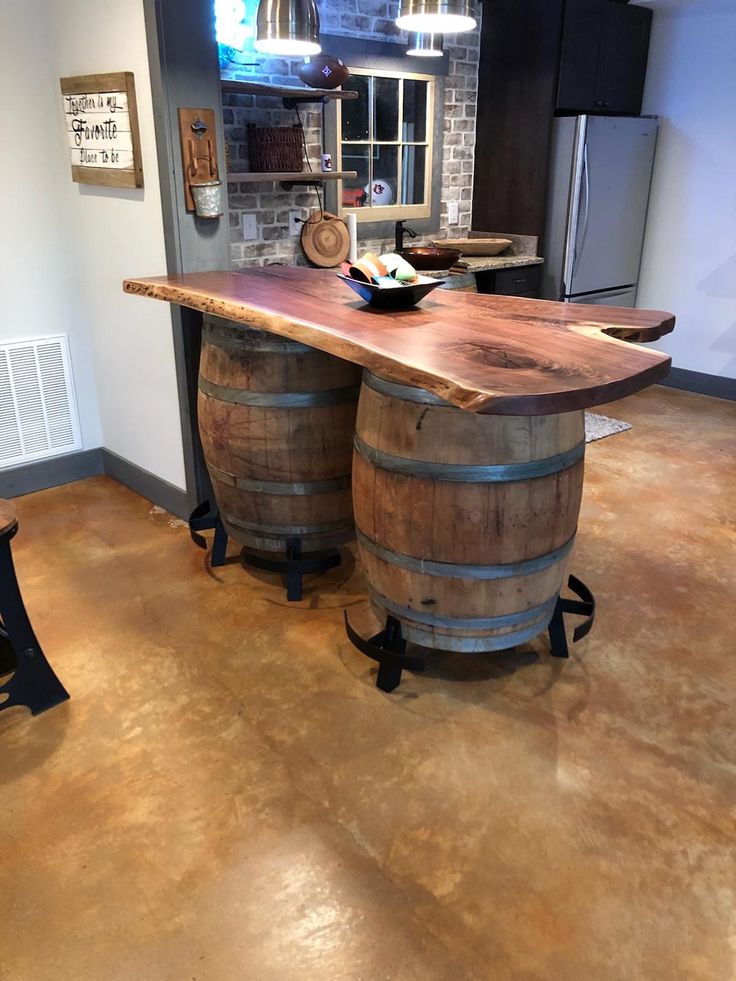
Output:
x=275 y=149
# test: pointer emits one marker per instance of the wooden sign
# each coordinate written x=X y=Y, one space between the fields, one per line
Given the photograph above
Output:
x=102 y=129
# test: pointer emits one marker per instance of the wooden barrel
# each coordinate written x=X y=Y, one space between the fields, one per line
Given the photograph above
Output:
x=464 y=521
x=276 y=419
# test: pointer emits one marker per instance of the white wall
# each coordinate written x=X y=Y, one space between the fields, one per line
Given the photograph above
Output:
x=39 y=272
x=689 y=261
x=76 y=243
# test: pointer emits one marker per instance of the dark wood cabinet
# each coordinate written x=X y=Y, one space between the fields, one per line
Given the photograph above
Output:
x=626 y=58
x=603 y=57
x=519 y=281
x=582 y=55
x=538 y=59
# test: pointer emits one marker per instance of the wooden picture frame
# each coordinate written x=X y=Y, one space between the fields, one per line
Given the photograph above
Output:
x=105 y=148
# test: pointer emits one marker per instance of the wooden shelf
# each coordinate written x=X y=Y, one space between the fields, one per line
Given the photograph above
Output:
x=303 y=177
x=301 y=93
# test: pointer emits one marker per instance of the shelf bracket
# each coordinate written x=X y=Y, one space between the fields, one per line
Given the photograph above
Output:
x=293 y=101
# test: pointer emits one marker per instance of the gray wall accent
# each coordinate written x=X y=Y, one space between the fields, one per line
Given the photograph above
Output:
x=30 y=477
x=718 y=386
x=43 y=474
x=185 y=72
x=153 y=488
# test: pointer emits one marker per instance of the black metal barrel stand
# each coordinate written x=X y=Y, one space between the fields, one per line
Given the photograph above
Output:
x=33 y=682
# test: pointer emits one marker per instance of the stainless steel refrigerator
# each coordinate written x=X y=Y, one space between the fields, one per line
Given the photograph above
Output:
x=597 y=206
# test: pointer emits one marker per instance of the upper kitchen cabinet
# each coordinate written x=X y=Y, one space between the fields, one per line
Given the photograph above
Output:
x=539 y=59
x=603 y=57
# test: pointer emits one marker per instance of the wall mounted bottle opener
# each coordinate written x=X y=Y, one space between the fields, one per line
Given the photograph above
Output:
x=198 y=139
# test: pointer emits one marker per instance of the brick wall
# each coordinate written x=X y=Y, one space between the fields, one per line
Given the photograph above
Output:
x=370 y=19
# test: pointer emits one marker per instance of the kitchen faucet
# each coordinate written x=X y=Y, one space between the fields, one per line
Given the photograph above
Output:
x=400 y=232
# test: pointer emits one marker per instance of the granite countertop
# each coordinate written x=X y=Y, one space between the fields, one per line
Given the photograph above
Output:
x=521 y=252
x=484 y=263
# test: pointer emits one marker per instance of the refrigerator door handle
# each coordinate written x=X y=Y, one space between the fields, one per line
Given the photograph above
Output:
x=573 y=214
x=586 y=214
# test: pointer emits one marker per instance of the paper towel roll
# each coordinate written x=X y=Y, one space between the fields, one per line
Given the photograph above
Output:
x=352 y=222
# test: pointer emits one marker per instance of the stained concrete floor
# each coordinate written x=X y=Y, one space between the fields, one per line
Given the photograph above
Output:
x=227 y=795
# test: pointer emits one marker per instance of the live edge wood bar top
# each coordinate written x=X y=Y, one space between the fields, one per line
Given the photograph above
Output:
x=488 y=354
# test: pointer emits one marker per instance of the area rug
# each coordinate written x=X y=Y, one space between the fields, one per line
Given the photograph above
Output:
x=598 y=427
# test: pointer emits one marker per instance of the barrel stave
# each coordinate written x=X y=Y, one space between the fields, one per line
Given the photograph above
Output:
x=286 y=444
x=474 y=523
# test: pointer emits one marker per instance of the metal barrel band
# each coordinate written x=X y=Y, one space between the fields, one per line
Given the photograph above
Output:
x=279 y=400
x=285 y=530
x=231 y=334
x=482 y=643
x=465 y=473
x=523 y=618
x=407 y=393
x=283 y=488
x=452 y=570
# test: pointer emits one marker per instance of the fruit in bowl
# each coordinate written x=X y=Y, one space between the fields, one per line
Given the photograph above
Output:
x=387 y=282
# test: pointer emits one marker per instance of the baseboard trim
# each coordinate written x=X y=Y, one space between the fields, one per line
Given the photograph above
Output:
x=155 y=489
x=42 y=474
x=717 y=386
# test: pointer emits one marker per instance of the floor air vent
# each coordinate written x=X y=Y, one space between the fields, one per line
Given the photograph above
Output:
x=38 y=412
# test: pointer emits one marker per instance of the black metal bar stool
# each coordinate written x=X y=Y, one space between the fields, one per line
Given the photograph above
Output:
x=33 y=683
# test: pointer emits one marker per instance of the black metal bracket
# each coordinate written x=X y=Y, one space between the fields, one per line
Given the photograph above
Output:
x=290 y=185
x=388 y=648
x=204 y=518
x=582 y=607
x=294 y=566
x=292 y=101
x=33 y=683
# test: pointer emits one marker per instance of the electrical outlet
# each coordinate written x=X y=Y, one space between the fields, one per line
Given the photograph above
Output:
x=295 y=222
x=453 y=213
x=250 y=228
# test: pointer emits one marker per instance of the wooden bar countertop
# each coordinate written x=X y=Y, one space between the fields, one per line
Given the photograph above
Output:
x=490 y=354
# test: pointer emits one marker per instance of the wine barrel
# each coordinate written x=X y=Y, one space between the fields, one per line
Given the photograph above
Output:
x=464 y=521
x=276 y=420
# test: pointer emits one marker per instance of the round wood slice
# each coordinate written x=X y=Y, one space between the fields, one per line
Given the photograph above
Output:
x=325 y=239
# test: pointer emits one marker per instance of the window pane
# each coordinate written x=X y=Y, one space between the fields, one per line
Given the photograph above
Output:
x=355 y=111
x=386 y=109
x=355 y=158
x=414 y=123
x=414 y=161
x=385 y=176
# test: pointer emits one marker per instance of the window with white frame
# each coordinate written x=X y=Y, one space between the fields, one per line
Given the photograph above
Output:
x=386 y=136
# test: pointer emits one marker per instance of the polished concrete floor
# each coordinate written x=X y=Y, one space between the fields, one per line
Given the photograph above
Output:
x=227 y=797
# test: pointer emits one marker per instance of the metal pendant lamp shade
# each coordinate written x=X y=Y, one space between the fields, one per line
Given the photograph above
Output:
x=436 y=16
x=426 y=46
x=287 y=27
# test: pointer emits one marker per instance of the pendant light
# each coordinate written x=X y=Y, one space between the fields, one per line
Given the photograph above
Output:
x=287 y=27
x=426 y=46
x=435 y=16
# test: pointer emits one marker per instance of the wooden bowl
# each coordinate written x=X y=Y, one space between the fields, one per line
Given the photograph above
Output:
x=430 y=257
x=477 y=246
x=398 y=298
